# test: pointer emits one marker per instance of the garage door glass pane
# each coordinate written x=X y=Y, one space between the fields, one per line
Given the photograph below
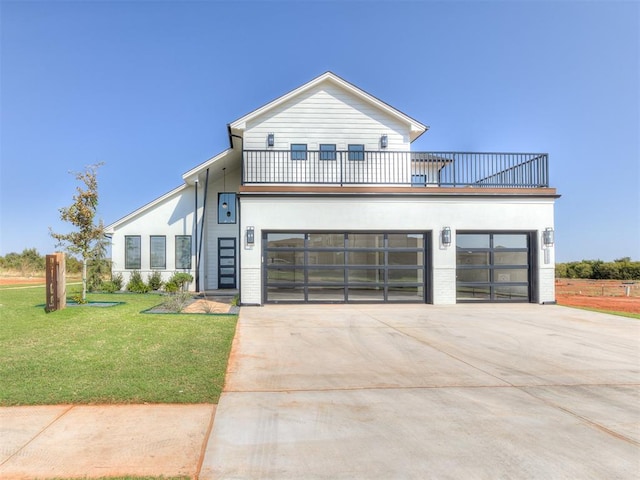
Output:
x=366 y=294
x=366 y=240
x=365 y=258
x=510 y=275
x=472 y=240
x=405 y=240
x=405 y=258
x=285 y=294
x=473 y=275
x=326 y=294
x=329 y=240
x=408 y=275
x=510 y=258
x=325 y=258
x=290 y=240
x=510 y=241
x=285 y=258
x=326 y=275
x=375 y=275
x=472 y=258
x=282 y=275
x=511 y=292
x=473 y=292
x=399 y=293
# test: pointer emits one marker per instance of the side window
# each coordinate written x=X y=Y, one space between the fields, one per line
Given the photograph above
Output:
x=158 y=251
x=327 y=151
x=356 y=152
x=298 y=151
x=132 y=252
x=226 y=208
x=183 y=251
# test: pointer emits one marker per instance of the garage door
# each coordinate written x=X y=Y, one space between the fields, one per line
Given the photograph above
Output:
x=494 y=266
x=338 y=267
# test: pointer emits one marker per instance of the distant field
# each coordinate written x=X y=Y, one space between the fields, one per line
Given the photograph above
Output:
x=599 y=294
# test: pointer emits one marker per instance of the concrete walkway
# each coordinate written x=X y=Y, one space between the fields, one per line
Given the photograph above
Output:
x=384 y=391
x=100 y=441
x=465 y=391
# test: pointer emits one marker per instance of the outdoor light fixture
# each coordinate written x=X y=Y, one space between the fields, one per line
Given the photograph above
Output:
x=547 y=237
x=250 y=236
x=384 y=141
x=446 y=236
x=271 y=140
x=224 y=189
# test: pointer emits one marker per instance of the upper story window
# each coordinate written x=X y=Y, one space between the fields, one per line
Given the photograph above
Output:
x=298 y=151
x=356 y=152
x=327 y=151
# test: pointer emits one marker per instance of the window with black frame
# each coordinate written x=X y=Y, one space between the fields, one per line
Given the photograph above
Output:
x=183 y=252
x=158 y=252
x=132 y=252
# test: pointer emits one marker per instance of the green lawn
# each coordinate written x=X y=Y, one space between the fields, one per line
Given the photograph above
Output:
x=108 y=355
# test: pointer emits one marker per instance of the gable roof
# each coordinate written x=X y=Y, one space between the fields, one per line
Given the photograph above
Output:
x=416 y=128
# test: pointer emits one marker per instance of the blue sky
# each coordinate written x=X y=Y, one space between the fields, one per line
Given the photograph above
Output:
x=149 y=87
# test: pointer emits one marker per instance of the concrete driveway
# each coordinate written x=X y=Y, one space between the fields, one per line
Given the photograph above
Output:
x=422 y=391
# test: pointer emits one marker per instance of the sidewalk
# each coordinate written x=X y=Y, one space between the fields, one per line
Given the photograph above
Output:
x=103 y=440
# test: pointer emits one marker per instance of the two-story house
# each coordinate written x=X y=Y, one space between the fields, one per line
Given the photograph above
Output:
x=319 y=198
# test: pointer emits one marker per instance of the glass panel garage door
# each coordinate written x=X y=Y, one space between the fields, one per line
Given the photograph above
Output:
x=316 y=267
x=493 y=267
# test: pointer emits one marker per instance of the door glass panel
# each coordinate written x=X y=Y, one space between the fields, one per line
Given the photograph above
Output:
x=285 y=258
x=279 y=294
x=326 y=294
x=366 y=258
x=406 y=240
x=405 y=293
x=227 y=242
x=366 y=294
x=510 y=258
x=405 y=258
x=226 y=261
x=227 y=252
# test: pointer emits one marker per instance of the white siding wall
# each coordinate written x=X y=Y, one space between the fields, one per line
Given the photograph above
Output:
x=361 y=213
x=170 y=217
x=326 y=114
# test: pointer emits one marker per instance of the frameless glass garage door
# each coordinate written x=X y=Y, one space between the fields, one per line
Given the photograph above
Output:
x=493 y=267
x=318 y=267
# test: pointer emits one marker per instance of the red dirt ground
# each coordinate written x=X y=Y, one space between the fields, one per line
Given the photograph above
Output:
x=22 y=280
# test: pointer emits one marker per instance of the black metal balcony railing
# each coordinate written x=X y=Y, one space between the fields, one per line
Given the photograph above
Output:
x=429 y=169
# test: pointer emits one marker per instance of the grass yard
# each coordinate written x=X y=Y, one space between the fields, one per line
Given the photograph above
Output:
x=85 y=355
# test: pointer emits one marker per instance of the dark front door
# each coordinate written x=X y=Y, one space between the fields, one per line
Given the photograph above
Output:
x=226 y=263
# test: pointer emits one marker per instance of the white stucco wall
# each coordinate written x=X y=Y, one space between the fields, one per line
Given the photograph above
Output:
x=168 y=216
x=401 y=214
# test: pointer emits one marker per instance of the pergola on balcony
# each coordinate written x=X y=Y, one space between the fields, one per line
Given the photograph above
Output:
x=387 y=168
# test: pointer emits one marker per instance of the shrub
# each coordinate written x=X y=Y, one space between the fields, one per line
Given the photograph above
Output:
x=136 y=284
x=177 y=282
x=109 y=287
x=177 y=301
x=117 y=281
x=155 y=280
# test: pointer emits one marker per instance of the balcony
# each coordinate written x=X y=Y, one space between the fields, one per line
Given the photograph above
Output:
x=383 y=168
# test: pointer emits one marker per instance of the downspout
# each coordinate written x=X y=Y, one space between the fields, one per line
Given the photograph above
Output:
x=195 y=225
x=204 y=216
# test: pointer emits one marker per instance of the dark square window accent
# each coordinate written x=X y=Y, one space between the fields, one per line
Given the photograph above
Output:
x=298 y=151
x=226 y=207
x=158 y=251
x=132 y=252
x=356 y=152
x=327 y=151
x=183 y=251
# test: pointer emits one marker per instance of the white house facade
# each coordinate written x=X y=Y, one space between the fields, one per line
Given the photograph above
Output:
x=320 y=199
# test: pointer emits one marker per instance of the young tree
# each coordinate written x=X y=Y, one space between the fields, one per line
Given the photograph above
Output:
x=81 y=214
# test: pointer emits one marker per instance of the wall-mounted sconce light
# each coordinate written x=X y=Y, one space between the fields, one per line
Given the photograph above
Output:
x=271 y=140
x=547 y=237
x=384 y=141
x=250 y=237
x=445 y=236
